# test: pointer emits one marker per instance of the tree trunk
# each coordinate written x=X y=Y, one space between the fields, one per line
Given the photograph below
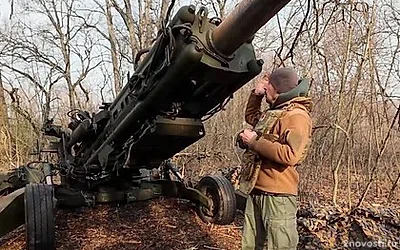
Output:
x=113 y=48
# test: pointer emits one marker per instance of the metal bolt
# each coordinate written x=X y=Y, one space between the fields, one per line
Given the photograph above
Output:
x=192 y=9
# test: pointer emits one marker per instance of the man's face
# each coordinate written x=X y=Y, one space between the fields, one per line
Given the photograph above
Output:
x=270 y=92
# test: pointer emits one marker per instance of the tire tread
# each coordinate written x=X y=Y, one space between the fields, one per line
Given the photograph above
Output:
x=227 y=199
x=39 y=217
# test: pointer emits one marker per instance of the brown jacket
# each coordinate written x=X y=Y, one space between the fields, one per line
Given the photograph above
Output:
x=279 y=159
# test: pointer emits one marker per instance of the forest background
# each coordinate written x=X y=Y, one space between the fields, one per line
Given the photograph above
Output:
x=58 y=55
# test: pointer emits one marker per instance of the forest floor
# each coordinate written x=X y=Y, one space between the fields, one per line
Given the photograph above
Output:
x=156 y=224
x=173 y=224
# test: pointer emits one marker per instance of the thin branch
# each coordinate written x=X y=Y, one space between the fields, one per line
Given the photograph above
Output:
x=294 y=43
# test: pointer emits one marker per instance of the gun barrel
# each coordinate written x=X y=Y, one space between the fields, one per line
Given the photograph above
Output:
x=243 y=22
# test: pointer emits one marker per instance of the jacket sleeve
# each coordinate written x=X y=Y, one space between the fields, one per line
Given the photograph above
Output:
x=253 y=108
x=295 y=131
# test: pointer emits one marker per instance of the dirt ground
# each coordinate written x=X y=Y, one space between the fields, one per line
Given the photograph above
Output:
x=173 y=224
x=157 y=224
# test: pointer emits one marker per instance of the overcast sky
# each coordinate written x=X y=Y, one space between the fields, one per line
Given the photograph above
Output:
x=4 y=10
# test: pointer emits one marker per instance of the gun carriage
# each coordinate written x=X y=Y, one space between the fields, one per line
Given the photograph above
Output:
x=122 y=153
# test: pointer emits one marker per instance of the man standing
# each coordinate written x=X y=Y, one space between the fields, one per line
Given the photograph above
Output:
x=276 y=145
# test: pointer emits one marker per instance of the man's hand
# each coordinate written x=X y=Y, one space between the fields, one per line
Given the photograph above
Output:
x=246 y=135
x=261 y=84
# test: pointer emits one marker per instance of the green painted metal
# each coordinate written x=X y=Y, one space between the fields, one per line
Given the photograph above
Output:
x=12 y=211
x=146 y=191
x=195 y=195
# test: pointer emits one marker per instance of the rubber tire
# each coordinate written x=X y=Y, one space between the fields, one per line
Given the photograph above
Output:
x=39 y=217
x=221 y=191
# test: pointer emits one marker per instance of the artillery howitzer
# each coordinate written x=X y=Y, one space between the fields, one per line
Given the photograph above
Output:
x=191 y=71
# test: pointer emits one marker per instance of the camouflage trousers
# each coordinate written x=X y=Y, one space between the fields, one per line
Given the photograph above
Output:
x=270 y=223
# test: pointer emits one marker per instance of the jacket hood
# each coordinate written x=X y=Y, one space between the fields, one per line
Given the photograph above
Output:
x=302 y=102
x=298 y=95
